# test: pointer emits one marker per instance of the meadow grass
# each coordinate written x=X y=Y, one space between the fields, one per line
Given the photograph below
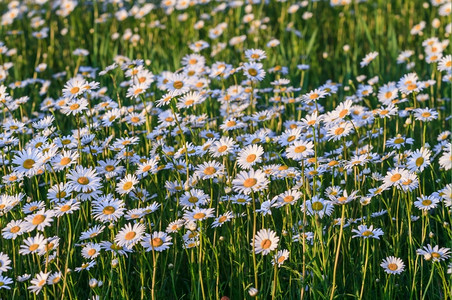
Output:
x=225 y=149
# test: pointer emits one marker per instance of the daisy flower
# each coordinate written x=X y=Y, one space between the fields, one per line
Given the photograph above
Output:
x=287 y=198
x=393 y=265
x=27 y=161
x=38 y=282
x=445 y=63
x=314 y=95
x=280 y=257
x=33 y=244
x=300 y=150
x=108 y=209
x=4 y=262
x=83 y=179
x=54 y=278
x=254 y=71
x=59 y=192
x=425 y=114
x=226 y=217
x=265 y=241
x=434 y=253
x=146 y=167
x=222 y=147
x=426 y=202
x=199 y=214
x=273 y=43
x=75 y=107
x=367 y=232
x=446 y=194
x=86 y=266
x=395 y=177
x=190 y=99
x=255 y=54
x=74 y=87
x=129 y=235
x=5 y=282
x=336 y=132
x=387 y=93
x=110 y=168
x=368 y=58
x=251 y=181
x=419 y=160
x=91 y=251
x=398 y=142
x=408 y=83
x=126 y=185
x=445 y=161
x=178 y=83
x=64 y=160
x=136 y=90
x=289 y=136
x=39 y=220
x=67 y=207
x=318 y=206
x=175 y=226
x=13 y=229
x=194 y=197
x=158 y=241
x=208 y=170
x=250 y=156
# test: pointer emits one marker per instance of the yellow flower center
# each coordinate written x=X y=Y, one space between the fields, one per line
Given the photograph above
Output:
x=33 y=247
x=368 y=233
x=252 y=71
x=199 y=215
x=426 y=202
x=38 y=219
x=288 y=199
x=300 y=149
x=222 y=148
x=265 y=244
x=157 y=242
x=339 y=131
x=317 y=206
x=313 y=96
x=108 y=210
x=178 y=84
x=61 y=194
x=28 y=164
x=392 y=267
x=396 y=177
x=231 y=123
x=75 y=90
x=130 y=235
x=436 y=255
x=193 y=199
x=74 y=106
x=209 y=170
x=343 y=113
x=83 y=180
x=281 y=259
x=14 y=229
x=65 y=160
x=249 y=182
x=127 y=186
x=65 y=208
x=251 y=158
x=419 y=161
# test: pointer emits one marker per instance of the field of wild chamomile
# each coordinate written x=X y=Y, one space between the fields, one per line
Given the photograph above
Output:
x=214 y=149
